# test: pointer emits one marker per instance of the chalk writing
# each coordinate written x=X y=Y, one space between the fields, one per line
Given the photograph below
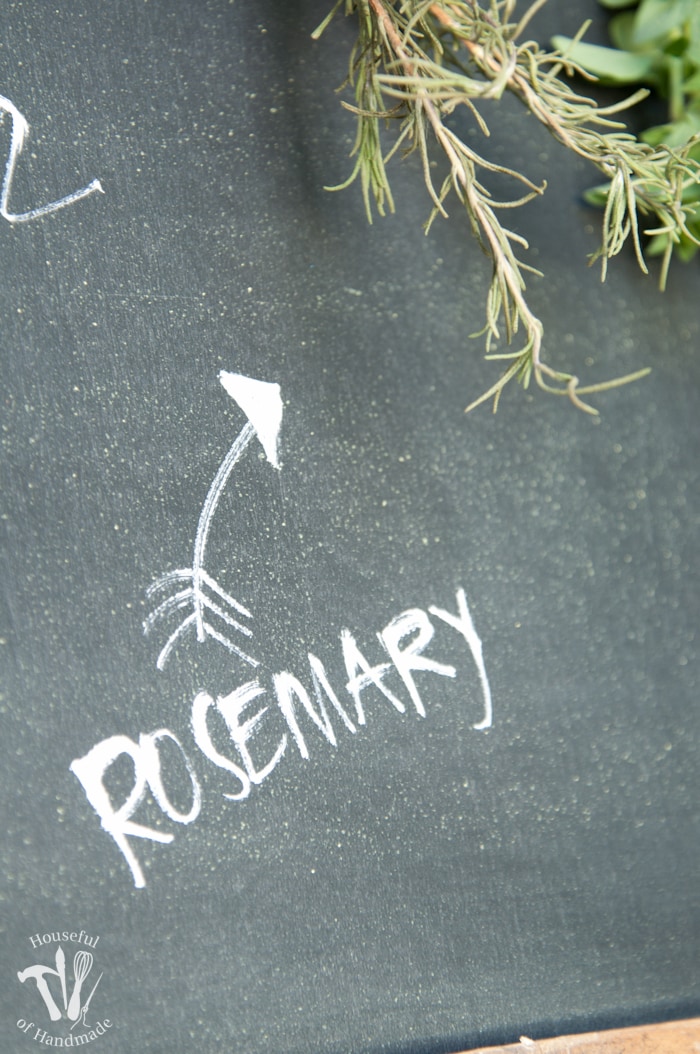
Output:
x=262 y=403
x=281 y=705
x=18 y=135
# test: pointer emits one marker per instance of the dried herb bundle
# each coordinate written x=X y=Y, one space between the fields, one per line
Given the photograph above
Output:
x=414 y=62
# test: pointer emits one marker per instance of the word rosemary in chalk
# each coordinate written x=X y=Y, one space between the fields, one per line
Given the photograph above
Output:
x=415 y=62
x=259 y=735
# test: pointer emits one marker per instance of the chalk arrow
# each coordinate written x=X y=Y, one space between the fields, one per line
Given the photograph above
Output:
x=261 y=402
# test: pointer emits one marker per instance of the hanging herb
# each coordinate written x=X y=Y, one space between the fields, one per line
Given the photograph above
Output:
x=413 y=63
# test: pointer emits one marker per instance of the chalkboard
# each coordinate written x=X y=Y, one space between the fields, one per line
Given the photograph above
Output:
x=334 y=719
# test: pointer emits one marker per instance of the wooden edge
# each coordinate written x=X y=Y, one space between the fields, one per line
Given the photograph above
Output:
x=670 y=1037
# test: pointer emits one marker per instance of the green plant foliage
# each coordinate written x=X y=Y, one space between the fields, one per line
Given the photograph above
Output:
x=658 y=44
x=415 y=61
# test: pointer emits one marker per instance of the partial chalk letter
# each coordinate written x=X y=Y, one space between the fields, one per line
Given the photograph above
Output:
x=91 y=770
x=231 y=708
x=200 y=709
x=18 y=135
x=361 y=675
x=463 y=623
x=411 y=658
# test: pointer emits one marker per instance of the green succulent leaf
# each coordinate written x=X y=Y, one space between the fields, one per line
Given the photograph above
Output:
x=673 y=134
x=621 y=30
x=610 y=65
x=656 y=19
x=615 y=5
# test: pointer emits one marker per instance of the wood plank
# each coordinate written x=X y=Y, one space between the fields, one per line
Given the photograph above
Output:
x=669 y=1037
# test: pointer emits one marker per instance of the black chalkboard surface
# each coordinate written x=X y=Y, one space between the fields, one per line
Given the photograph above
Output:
x=333 y=719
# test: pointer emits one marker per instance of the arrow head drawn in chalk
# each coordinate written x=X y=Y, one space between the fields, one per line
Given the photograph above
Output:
x=261 y=402
x=213 y=610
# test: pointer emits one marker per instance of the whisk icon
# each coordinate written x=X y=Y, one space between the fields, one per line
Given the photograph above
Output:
x=82 y=964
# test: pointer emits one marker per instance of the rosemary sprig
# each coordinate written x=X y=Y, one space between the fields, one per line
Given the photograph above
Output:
x=414 y=62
